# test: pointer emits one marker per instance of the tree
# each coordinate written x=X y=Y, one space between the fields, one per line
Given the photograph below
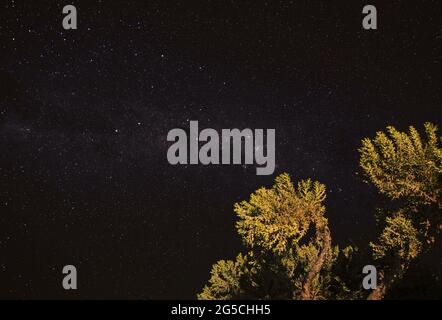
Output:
x=290 y=254
x=406 y=170
x=289 y=245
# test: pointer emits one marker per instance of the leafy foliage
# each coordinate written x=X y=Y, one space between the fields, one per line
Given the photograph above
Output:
x=403 y=166
x=399 y=238
x=224 y=283
x=407 y=170
x=290 y=254
x=288 y=241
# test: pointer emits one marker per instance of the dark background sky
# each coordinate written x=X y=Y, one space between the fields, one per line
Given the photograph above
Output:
x=84 y=116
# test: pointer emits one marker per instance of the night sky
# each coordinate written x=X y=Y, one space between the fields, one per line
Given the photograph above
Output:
x=84 y=116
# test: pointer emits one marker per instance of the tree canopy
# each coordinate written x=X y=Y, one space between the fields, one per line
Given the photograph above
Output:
x=407 y=170
x=288 y=244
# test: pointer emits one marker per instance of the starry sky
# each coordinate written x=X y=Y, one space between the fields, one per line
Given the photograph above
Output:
x=84 y=116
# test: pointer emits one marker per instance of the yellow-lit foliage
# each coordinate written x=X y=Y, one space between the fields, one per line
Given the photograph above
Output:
x=279 y=217
x=403 y=166
x=289 y=246
x=399 y=238
x=288 y=242
x=407 y=169
x=224 y=282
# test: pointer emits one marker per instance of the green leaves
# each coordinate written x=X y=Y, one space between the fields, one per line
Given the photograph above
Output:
x=279 y=217
x=404 y=166
x=406 y=169
x=224 y=283
x=288 y=242
x=399 y=238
